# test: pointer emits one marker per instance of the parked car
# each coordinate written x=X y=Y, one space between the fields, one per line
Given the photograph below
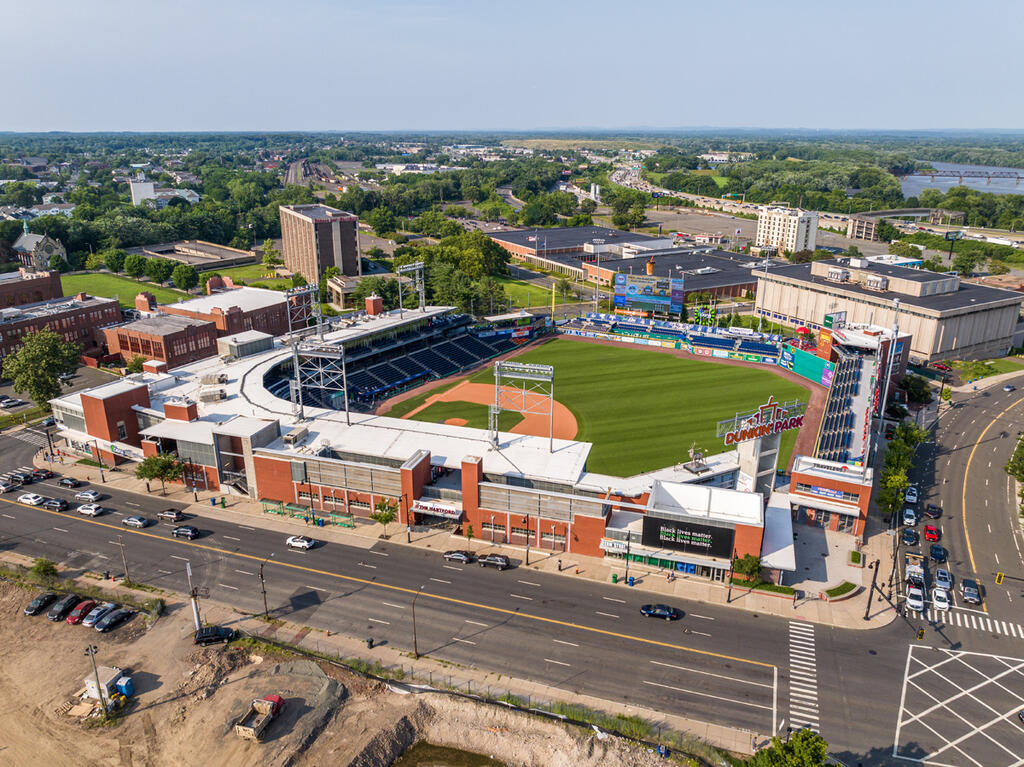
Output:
x=909 y=517
x=47 y=422
x=940 y=599
x=41 y=602
x=90 y=496
x=40 y=474
x=661 y=611
x=60 y=608
x=98 y=612
x=7 y=404
x=90 y=509
x=915 y=599
x=495 y=560
x=135 y=521
x=6 y=487
x=31 y=499
x=910 y=495
x=82 y=609
x=170 y=515
x=68 y=482
x=933 y=511
x=113 y=619
x=299 y=542
x=943 y=579
x=208 y=635
x=942 y=366
x=931 y=533
x=910 y=537
x=970 y=590
x=937 y=553
x=185 y=531
x=458 y=555
x=57 y=504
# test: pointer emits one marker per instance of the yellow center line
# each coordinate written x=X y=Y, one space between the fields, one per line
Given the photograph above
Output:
x=967 y=471
x=409 y=591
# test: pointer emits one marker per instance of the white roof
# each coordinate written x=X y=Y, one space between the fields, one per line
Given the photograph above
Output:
x=243 y=426
x=246 y=299
x=833 y=470
x=509 y=316
x=246 y=337
x=639 y=484
x=704 y=501
x=777 y=549
x=200 y=431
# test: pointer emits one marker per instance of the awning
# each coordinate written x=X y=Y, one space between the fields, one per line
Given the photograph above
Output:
x=777 y=549
x=447 y=509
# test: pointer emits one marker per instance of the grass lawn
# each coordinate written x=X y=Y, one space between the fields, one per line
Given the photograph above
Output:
x=251 y=273
x=642 y=410
x=125 y=288
x=983 y=368
x=412 y=403
x=475 y=415
x=529 y=294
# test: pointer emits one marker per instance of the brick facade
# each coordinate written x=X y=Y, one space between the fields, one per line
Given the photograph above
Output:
x=174 y=341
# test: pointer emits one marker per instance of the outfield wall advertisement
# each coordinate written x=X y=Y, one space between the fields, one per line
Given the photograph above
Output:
x=648 y=293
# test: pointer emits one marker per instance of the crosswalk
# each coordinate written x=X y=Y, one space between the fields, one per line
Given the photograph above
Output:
x=969 y=620
x=803 y=677
x=31 y=436
x=6 y=476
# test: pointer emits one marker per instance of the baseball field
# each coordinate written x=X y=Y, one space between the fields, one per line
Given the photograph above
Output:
x=641 y=409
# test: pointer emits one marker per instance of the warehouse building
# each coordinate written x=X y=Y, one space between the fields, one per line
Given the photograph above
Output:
x=166 y=338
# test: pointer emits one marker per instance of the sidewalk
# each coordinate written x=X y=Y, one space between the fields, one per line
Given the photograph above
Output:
x=848 y=613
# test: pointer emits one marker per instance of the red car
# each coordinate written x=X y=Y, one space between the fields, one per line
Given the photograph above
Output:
x=943 y=367
x=931 y=533
x=81 y=610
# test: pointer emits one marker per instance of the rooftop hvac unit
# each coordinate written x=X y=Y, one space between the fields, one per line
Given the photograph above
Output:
x=214 y=395
x=876 y=282
x=838 y=275
x=296 y=435
x=211 y=379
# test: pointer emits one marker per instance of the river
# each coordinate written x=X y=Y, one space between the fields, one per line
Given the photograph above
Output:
x=912 y=185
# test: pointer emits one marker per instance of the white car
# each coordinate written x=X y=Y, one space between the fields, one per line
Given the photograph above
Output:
x=909 y=517
x=299 y=542
x=911 y=494
x=90 y=496
x=940 y=599
x=6 y=487
x=915 y=600
x=90 y=509
x=31 y=499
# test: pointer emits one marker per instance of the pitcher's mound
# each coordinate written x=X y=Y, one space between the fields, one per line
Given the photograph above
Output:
x=456 y=422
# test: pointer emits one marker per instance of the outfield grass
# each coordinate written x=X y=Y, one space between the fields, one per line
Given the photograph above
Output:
x=642 y=410
x=125 y=288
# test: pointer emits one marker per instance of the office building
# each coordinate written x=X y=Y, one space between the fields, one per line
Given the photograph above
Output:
x=174 y=340
x=76 y=319
x=788 y=229
x=315 y=237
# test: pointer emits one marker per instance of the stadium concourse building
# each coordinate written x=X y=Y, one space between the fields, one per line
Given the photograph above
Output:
x=228 y=423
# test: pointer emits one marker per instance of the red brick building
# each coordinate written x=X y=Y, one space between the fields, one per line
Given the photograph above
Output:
x=76 y=318
x=829 y=494
x=27 y=287
x=231 y=311
x=171 y=339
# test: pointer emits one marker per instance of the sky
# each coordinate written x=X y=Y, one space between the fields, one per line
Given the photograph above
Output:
x=465 y=65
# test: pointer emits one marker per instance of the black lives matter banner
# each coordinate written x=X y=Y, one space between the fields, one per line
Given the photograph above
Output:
x=688 y=536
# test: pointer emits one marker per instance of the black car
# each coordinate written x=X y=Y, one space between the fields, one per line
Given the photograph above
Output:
x=458 y=555
x=41 y=602
x=661 y=611
x=910 y=537
x=21 y=478
x=57 y=504
x=937 y=553
x=213 y=634
x=185 y=531
x=41 y=474
x=68 y=482
x=933 y=511
x=113 y=619
x=496 y=560
x=63 y=606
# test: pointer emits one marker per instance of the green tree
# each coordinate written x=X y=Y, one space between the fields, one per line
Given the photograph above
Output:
x=185 y=277
x=563 y=286
x=159 y=269
x=749 y=566
x=804 y=748
x=134 y=265
x=382 y=220
x=271 y=255
x=35 y=368
x=114 y=259
x=95 y=261
x=588 y=206
x=163 y=466
x=469 y=535
x=135 y=364
x=57 y=263
x=298 y=281
x=385 y=511
x=886 y=232
x=44 y=569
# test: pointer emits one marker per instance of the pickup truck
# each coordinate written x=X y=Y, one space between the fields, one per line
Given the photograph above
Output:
x=262 y=712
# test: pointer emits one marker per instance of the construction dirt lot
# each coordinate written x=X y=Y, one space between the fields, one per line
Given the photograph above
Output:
x=186 y=699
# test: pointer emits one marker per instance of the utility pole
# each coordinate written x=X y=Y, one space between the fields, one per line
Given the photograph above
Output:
x=193 y=597
x=527 y=540
x=124 y=559
x=629 y=539
x=732 y=561
x=263 y=587
x=415 y=646
x=90 y=650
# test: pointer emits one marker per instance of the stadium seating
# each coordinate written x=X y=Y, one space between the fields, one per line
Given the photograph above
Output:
x=457 y=354
x=409 y=366
x=756 y=347
x=435 y=362
x=501 y=344
x=474 y=346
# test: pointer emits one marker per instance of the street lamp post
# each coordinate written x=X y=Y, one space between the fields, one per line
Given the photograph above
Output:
x=871 y=592
x=90 y=650
x=492 y=529
x=124 y=559
x=263 y=587
x=527 y=540
x=415 y=645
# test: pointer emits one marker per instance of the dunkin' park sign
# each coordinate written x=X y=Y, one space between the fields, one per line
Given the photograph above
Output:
x=771 y=418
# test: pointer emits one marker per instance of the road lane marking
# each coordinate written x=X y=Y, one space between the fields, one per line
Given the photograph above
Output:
x=607 y=615
x=707 y=695
x=244 y=572
x=556 y=662
x=136 y=505
x=709 y=673
x=449 y=567
x=377 y=620
x=164 y=572
x=412 y=592
x=173 y=556
x=441 y=580
x=230 y=538
x=60 y=529
x=314 y=588
x=379 y=553
x=392 y=604
x=702 y=617
x=9 y=516
x=250 y=529
x=562 y=641
x=464 y=641
x=996 y=556
x=372 y=567
x=529 y=583
x=226 y=586
x=519 y=596
x=477 y=623
x=700 y=633
x=613 y=599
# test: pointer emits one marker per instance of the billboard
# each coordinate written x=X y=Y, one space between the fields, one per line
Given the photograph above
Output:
x=691 y=537
x=645 y=292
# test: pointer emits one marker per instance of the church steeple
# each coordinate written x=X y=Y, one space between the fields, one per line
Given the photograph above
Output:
x=24 y=225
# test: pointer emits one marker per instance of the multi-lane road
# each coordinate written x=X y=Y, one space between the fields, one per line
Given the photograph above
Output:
x=718 y=664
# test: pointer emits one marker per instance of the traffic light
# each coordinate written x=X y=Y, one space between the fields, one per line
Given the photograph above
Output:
x=999 y=579
x=920 y=634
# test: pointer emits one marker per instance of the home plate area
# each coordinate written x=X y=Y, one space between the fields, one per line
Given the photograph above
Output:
x=959 y=709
